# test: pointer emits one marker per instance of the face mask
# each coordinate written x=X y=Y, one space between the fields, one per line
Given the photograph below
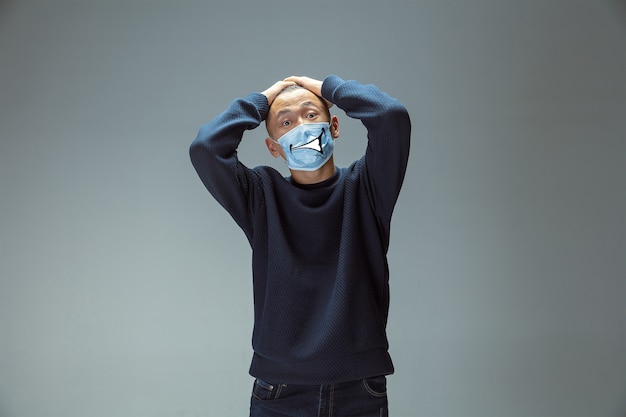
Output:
x=307 y=146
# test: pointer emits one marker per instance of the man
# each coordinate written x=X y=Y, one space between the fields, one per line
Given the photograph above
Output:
x=319 y=241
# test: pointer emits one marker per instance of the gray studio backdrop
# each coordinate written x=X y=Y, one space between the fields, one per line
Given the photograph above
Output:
x=125 y=290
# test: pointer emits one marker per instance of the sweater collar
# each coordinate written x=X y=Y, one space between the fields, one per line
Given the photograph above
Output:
x=327 y=182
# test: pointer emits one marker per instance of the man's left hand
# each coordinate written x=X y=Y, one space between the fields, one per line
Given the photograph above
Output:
x=314 y=86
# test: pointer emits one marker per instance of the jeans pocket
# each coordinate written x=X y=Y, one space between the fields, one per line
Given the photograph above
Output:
x=263 y=390
x=376 y=386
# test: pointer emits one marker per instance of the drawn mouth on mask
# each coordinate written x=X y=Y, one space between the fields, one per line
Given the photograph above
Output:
x=314 y=144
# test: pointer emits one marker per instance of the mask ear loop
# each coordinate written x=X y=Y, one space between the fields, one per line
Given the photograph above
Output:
x=281 y=157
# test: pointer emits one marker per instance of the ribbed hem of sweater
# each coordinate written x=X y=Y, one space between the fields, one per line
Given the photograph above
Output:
x=332 y=370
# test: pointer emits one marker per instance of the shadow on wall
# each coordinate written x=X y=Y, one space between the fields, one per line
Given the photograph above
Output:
x=617 y=6
x=4 y=8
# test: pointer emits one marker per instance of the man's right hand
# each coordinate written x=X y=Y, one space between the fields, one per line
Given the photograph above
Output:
x=275 y=89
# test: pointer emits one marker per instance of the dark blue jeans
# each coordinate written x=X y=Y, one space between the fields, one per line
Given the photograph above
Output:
x=363 y=398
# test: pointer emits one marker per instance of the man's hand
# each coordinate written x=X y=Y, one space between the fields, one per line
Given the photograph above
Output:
x=314 y=86
x=275 y=89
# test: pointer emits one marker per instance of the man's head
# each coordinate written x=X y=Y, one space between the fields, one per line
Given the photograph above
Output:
x=293 y=106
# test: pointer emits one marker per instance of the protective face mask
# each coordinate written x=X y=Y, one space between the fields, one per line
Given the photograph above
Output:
x=307 y=146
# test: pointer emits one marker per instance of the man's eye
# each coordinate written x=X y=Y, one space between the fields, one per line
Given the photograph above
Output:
x=311 y=115
x=285 y=123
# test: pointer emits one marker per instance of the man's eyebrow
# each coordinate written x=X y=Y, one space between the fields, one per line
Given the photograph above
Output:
x=303 y=104
x=308 y=104
x=283 y=111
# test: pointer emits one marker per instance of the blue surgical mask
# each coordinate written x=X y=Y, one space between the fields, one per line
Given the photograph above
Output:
x=307 y=146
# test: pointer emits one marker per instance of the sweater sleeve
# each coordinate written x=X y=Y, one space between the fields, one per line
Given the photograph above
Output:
x=388 y=131
x=214 y=156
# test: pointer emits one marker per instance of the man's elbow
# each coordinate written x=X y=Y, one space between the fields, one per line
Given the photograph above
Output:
x=198 y=151
x=399 y=115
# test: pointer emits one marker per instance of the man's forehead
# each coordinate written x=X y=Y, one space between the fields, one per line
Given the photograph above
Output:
x=291 y=100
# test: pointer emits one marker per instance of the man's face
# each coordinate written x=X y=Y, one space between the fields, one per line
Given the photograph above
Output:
x=292 y=108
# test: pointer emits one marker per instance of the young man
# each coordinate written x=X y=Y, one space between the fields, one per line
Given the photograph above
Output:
x=319 y=241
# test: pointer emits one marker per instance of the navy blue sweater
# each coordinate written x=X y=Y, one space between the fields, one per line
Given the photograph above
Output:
x=319 y=264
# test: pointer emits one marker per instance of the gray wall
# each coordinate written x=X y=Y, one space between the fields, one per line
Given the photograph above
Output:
x=125 y=289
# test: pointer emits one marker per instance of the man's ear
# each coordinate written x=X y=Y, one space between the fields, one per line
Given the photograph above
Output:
x=272 y=147
x=334 y=127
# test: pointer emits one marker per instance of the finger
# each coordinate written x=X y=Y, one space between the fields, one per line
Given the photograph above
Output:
x=279 y=86
x=294 y=79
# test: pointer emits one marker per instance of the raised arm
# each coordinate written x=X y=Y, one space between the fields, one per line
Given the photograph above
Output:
x=388 y=131
x=214 y=152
